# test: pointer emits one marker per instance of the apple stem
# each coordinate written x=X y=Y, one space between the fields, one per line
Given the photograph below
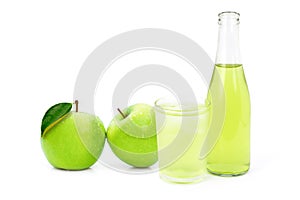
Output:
x=76 y=105
x=121 y=113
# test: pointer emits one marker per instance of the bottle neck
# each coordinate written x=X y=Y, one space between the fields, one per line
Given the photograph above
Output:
x=228 y=51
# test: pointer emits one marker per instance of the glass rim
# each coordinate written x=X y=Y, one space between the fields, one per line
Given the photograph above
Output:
x=175 y=108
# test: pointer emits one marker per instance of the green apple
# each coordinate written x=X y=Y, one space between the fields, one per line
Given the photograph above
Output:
x=71 y=140
x=132 y=135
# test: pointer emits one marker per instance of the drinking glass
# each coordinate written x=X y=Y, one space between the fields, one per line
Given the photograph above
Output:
x=181 y=130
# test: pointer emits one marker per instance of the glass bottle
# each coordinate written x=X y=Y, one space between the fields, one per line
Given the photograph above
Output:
x=230 y=155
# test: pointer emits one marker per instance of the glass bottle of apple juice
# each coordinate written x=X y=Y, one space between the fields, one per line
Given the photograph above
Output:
x=230 y=155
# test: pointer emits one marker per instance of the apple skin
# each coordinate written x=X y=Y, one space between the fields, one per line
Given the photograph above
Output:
x=138 y=146
x=74 y=142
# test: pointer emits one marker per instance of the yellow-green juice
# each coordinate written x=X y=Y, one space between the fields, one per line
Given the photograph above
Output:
x=180 y=139
x=231 y=154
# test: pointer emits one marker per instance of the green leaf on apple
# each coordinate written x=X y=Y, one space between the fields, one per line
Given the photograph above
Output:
x=54 y=113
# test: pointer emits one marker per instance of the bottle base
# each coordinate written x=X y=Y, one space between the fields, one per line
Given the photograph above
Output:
x=227 y=170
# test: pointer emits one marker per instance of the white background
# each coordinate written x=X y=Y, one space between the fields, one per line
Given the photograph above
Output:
x=43 y=45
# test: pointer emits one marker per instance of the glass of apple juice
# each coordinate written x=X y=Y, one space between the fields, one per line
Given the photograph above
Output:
x=181 y=130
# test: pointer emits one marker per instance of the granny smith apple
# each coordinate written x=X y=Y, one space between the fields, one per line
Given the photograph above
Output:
x=132 y=135
x=71 y=140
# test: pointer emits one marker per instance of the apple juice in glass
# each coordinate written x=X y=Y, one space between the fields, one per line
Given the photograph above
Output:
x=181 y=130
